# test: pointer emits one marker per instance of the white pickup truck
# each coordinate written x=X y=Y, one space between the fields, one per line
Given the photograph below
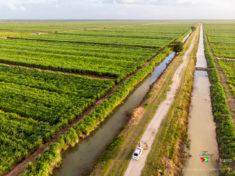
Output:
x=138 y=151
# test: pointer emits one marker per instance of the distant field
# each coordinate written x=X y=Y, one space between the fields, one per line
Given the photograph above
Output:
x=81 y=58
x=65 y=26
x=35 y=104
x=11 y=34
x=222 y=38
x=116 y=56
x=148 y=36
x=53 y=26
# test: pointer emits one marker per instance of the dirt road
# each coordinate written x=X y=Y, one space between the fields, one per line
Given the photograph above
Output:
x=135 y=167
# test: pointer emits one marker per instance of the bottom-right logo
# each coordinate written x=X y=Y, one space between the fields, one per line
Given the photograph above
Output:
x=206 y=157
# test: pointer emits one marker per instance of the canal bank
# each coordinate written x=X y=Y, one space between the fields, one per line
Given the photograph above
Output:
x=81 y=159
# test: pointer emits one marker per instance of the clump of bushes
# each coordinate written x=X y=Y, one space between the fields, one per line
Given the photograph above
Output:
x=193 y=28
x=178 y=47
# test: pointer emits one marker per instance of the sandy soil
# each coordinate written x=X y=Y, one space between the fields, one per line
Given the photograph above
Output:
x=135 y=167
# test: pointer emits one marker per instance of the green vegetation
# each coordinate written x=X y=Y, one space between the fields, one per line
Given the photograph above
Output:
x=81 y=58
x=47 y=97
x=89 y=123
x=127 y=41
x=9 y=34
x=178 y=47
x=53 y=26
x=47 y=101
x=19 y=137
x=116 y=142
x=228 y=67
x=221 y=37
x=152 y=36
x=193 y=28
x=93 y=51
x=40 y=103
x=225 y=127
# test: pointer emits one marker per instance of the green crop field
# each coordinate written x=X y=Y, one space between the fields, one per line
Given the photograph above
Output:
x=222 y=38
x=152 y=36
x=81 y=58
x=222 y=115
x=115 y=56
x=36 y=103
x=53 y=26
x=228 y=67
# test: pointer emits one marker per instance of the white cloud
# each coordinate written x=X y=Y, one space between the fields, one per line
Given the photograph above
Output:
x=12 y=6
x=131 y=1
x=117 y=9
x=24 y=2
x=22 y=8
x=169 y=2
x=128 y=2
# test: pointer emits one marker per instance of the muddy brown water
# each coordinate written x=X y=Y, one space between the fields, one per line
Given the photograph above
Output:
x=80 y=160
x=201 y=127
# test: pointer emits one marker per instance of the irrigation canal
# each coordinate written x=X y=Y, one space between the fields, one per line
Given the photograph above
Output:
x=79 y=160
x=201 y=127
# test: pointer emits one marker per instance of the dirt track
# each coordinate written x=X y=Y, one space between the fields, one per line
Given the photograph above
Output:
x=135 y=167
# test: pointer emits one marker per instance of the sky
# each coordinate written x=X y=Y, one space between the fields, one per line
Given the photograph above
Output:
x=117 y=9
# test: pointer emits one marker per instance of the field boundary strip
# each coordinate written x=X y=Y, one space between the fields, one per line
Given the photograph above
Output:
x=222 y=42
x=29 y=66
x=118 y=36
x=226 y=59
x=93 y=43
